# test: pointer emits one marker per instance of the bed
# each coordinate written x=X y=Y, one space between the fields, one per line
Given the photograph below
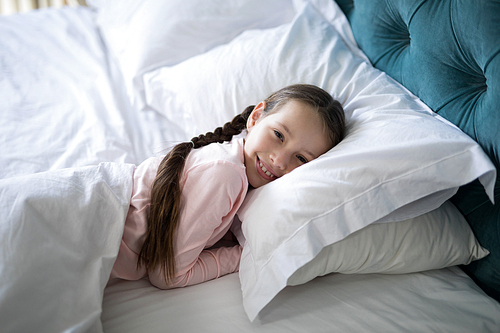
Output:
x=396 y=229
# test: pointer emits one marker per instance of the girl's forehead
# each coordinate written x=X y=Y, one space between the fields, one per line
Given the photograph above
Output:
x=295 y=111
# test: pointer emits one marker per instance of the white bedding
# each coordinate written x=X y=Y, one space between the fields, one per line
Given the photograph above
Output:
x=64 y=109
x=61 y=98
x=59 y=237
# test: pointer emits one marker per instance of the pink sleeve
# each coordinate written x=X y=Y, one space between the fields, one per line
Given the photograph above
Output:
x=211 y=196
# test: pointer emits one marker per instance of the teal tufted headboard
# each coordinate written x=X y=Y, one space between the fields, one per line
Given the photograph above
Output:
x=447 y=52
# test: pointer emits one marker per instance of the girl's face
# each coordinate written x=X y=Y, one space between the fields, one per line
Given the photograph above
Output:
x=281 y=141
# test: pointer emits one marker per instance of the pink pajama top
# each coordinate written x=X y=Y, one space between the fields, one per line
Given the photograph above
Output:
x=213 y=184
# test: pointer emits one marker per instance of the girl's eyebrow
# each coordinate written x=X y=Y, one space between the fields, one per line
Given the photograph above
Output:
x=285 y=128
x=289 y=133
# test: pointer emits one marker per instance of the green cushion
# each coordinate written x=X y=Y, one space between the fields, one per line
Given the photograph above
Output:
x=447 y=52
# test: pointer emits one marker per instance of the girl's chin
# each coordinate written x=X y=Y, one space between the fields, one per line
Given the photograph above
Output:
x=256 y=184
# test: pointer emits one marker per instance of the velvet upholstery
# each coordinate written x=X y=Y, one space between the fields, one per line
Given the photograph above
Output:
x=447 y=52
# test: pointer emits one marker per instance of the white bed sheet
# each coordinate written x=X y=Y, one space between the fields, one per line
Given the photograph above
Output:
x=435 y=301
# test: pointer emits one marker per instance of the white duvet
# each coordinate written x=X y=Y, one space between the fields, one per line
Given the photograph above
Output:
x=59 y=237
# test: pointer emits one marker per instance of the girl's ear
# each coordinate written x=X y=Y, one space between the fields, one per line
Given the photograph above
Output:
x=256 y=114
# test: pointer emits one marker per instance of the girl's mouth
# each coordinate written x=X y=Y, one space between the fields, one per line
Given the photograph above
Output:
x=264 y=172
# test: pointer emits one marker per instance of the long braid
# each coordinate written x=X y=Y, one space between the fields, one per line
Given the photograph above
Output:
x=226 y=132
x=163 y=217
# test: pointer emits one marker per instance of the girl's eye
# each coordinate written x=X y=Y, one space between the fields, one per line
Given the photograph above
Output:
x=278 y=135
x=302 y=159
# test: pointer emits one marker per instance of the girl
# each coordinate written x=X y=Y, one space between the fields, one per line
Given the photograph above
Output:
x=184 y=203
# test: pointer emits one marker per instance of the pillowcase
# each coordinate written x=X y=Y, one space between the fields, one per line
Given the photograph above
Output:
x=143 y=35
x=437 y=239
x=399 y=159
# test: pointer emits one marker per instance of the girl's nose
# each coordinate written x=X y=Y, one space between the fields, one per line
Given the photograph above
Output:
x=281 y=160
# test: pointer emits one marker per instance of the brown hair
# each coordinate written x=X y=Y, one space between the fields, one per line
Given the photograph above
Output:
x=158 y=248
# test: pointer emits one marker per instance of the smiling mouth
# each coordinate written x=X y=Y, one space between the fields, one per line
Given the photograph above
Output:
x=263 y=168
x=265 y=171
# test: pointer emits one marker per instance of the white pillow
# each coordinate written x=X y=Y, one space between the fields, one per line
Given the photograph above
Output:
x=399 y=159
x=143 y=35
x=437 y=239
